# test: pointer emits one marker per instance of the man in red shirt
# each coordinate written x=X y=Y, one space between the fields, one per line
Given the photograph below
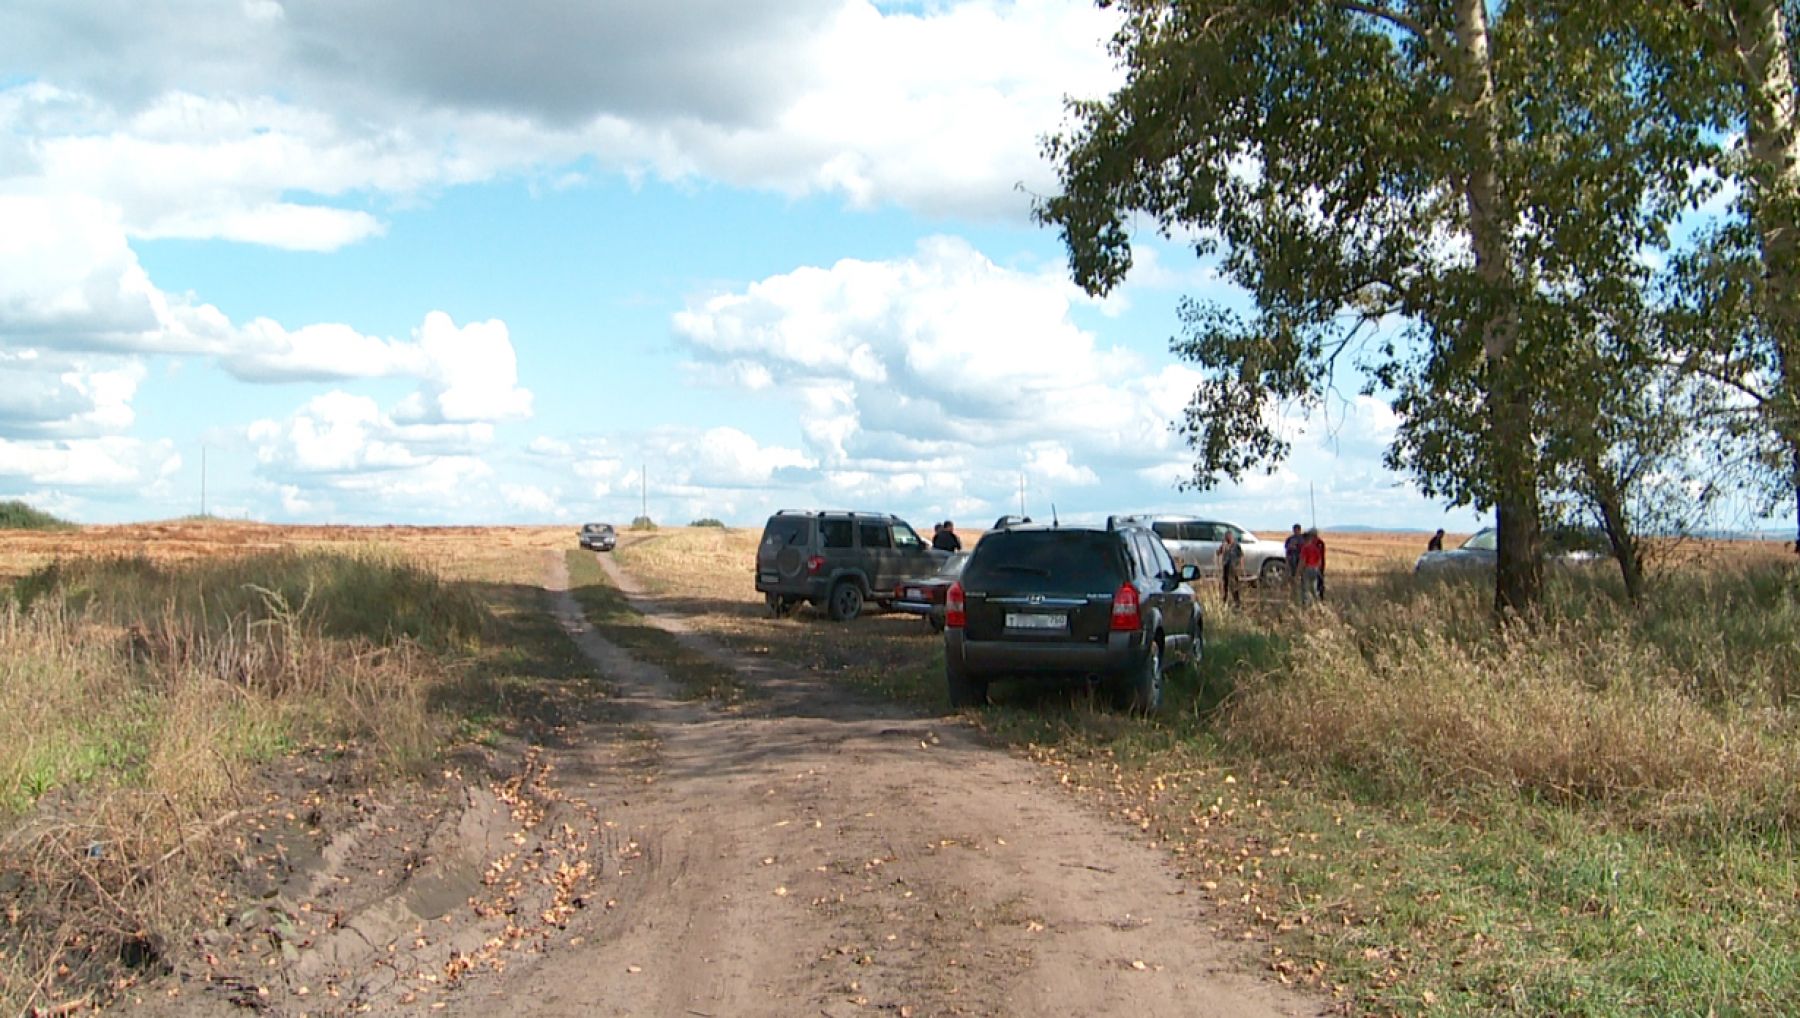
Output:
x=1312 y=568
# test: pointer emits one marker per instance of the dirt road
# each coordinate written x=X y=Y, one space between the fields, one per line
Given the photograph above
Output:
x=816 y=854
x=807 y=853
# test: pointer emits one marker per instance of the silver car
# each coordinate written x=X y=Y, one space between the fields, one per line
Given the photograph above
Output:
x=1479 y=554
x=1195 y=540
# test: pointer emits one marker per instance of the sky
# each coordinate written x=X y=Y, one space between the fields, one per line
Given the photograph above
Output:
x=457 y=262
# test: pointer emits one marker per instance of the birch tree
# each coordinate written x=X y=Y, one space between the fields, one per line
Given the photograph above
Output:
x=1477 y=173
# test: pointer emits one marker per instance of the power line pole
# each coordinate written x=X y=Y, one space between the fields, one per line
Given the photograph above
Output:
x=203 y=482
x=644 y=488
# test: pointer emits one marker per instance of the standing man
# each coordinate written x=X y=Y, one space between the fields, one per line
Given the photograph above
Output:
x=1312 y=568
x=1292 y=547
x=1231 y=567
x=944 y=537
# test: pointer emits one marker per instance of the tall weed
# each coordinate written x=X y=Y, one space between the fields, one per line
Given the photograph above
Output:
x=1674 y=713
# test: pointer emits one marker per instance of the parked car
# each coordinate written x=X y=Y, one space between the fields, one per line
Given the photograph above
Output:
x=926 y=596
x=838 y=560
x=1564 y=547
x=597 y=536
x=1106 y=603
x=1193 y=539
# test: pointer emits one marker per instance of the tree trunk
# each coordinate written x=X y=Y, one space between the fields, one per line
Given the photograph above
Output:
x=1772 y=136
x=1611 y=504
x=1511 y=448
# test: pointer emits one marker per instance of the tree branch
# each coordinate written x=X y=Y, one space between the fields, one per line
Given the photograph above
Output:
x=1398 y=20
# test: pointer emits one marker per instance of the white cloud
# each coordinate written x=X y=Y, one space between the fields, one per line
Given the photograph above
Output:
x=109 y=462
x=53 y=395
x=1050 y=461
x=945 y=381
x=472 y=372
x=209 y=125
x=344 y=440
x=940 y=354
x=535 y=501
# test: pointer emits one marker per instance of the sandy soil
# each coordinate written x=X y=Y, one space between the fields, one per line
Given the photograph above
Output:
x=807 y=853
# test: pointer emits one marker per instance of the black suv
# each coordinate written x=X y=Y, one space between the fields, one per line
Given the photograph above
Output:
x=838 y=560
x=1106 y=603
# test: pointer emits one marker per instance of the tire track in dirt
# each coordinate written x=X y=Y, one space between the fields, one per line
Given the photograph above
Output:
x=815 y=853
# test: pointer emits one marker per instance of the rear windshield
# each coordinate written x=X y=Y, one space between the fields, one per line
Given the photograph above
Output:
x=1059 y=561
x=785 y=530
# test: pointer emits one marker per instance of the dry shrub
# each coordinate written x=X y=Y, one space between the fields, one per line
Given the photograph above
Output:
x=97 y=889
x=1572 y=715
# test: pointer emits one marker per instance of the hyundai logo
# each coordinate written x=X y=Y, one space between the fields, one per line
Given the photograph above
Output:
x=1035 y=599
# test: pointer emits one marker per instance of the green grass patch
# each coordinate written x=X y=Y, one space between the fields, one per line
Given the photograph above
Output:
x=17 y=515
x=609 y=612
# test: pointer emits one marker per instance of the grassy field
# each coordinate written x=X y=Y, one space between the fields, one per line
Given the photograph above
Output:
x=1413 y=812
x=1405 y=808
x=145 y=685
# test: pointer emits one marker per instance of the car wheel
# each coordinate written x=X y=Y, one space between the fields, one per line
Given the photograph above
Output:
x=965 y=691
x=846 y=601
x=1274 y=573
x=779 y=607
x=1196 y=640
x=1144 y=686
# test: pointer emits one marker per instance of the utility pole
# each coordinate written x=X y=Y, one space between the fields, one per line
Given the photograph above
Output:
x=1315 y=505
x=202 y=481
x=1021 y=493
x=644 y=488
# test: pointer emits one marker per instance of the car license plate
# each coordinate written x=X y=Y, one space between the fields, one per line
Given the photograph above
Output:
x=913 y=593
x=1027 y=620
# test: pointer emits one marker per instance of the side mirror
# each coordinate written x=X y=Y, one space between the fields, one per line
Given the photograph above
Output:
x=1189 y=573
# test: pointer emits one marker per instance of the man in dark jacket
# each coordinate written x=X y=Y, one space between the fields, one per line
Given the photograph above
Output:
x=944 y=537
x=1292 y=547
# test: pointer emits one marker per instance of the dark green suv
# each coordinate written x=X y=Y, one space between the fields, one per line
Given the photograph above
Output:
x=838 y=560
x=1104 y=603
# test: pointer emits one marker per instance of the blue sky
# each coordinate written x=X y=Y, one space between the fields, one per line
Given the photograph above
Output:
x=472 y=263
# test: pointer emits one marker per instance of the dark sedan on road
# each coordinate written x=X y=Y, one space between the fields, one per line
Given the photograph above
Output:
x=925 y=595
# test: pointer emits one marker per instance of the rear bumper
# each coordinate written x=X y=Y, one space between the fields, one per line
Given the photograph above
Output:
x=1119 y=653
x=805 y=588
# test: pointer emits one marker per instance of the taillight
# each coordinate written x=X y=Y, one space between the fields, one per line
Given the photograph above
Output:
x=1125 y=610
x=814 y=564
x=955 y=617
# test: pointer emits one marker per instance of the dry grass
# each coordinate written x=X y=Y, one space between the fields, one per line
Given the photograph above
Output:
x=1570 y=716
x=136 y=700
x=498 y=554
